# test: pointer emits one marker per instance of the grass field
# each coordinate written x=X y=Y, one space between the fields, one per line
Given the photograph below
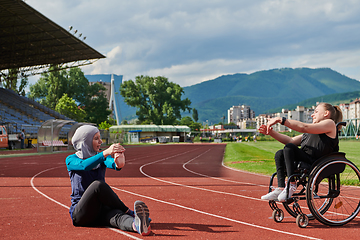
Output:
x=258 y=156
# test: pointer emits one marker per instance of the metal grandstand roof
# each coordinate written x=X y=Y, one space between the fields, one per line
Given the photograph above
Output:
x=31 y=42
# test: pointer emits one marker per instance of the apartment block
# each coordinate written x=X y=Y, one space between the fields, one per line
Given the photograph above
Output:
x=237 y=114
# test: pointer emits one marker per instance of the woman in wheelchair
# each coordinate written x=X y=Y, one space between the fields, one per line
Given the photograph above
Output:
x=318 y=139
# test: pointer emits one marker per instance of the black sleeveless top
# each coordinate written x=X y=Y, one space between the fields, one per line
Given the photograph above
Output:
x=318 y=145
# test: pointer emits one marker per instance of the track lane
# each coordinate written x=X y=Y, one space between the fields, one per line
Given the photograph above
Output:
x=178 y=211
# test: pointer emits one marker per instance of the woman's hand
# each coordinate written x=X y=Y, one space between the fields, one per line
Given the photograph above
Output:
x=114 y=148
x=273 y=121
x=265 y=130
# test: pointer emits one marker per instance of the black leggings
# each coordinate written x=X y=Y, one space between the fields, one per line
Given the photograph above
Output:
x=285 y=161
x=100 y=206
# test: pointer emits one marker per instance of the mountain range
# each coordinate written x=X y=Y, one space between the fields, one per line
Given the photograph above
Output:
x=265 y=91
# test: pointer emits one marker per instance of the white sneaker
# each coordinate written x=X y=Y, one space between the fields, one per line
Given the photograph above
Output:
x=282 y=196
x=272 y=195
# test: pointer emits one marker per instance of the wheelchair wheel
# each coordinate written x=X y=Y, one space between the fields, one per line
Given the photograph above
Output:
x=322 y=208
x=290 y=209
x=302 y=220
x=333 y=193
x=278 y=215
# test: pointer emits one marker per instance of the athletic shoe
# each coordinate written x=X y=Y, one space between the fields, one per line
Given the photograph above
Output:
x=141 y=221
x=282 y=196
x=272 y=195
x=132 y=213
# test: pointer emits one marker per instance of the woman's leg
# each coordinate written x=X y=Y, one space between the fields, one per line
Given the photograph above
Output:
x=97 y=195
x=292 y=154
x=280 y=168
x=116 y=218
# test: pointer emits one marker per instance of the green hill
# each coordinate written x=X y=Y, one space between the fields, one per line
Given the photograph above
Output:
x=334 y=99
x=266 y=90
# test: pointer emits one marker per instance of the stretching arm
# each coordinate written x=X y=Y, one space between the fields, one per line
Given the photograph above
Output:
x=280 y=137
x=326 y=126
x=73 y=162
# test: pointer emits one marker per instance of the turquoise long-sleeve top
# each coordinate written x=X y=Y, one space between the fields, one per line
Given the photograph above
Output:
x=83 y=172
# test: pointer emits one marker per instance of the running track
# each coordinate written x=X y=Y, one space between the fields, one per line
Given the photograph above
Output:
x=190 y=194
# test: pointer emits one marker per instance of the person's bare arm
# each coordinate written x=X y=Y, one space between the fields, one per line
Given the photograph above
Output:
x=326 y=126
x=280 y=137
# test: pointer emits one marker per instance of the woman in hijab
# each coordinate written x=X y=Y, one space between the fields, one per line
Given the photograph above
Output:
x=93 y=201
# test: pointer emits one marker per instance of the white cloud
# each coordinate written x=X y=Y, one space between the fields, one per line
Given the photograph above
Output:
x=192 y=41
x=193 y=73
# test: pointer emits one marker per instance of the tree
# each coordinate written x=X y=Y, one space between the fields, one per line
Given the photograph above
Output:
x=23 y=83
x=195 y=127
x=195 y=115
x=111 y=120
x=49 y=89
x=157 y=100
x=186 y=121
x=96 y=104
x=78 y=85
x=69 y=108
x=11 y=82
x=105 y=125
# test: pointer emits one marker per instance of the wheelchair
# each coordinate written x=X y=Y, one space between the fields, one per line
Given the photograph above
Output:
x=330 y=187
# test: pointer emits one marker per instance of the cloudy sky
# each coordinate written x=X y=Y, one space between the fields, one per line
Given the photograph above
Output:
x=190 y=41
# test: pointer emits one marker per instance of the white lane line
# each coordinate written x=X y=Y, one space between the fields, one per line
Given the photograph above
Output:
x=187 y=186
x=217 y=216
x=53 y=200
x=146 y=157
x=41 y=193
x=202 y=212
x=221 y=179
x=161 y=201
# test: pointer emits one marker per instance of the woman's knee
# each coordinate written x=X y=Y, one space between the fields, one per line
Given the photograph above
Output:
x=290 y=146
x=99 y=185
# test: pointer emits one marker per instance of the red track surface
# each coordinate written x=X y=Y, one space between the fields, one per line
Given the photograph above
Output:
x=189 y=193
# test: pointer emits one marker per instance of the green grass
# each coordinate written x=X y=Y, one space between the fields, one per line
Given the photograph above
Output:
x=258 y=156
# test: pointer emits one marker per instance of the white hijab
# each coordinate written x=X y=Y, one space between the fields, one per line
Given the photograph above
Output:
x=83 y=141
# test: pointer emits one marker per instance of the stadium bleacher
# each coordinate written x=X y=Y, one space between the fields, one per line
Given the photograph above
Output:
x=24 y=113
